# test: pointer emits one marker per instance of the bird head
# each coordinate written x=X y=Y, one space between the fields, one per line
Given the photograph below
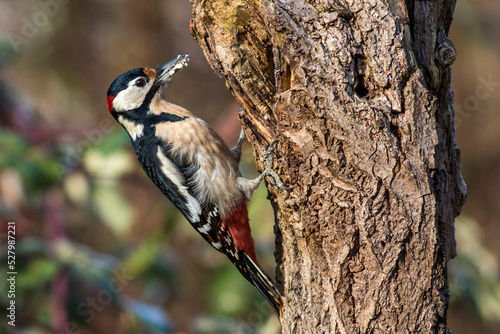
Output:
x=138 y=87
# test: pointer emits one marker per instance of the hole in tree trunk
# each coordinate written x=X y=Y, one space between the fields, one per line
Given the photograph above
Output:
x=360 y=88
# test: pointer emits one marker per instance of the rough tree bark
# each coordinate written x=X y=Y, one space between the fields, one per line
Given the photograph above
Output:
x=358 y=95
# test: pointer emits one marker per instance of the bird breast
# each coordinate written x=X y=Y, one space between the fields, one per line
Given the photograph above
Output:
x=211 y=170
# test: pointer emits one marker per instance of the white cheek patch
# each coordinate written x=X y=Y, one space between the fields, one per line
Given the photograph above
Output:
x=135 y=130
x=173 y=174
x=130 y=98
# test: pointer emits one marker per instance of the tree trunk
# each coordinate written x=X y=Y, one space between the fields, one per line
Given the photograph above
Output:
x=358 y=95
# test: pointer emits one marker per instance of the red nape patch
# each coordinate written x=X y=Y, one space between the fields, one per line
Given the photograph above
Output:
x=239 y=227
x=110 y=103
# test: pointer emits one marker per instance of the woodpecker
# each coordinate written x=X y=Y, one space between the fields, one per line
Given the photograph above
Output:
x=193 y=167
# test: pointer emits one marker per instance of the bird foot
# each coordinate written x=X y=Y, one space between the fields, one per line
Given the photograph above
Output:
x=273 y=176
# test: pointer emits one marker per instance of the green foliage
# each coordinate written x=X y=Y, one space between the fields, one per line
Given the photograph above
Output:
x=144 y=257
x=37 y=274
x=33 y=165
x=475 y=272
x=228 y=292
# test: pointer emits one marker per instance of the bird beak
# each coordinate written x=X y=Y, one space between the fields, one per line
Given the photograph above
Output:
x=166 y=72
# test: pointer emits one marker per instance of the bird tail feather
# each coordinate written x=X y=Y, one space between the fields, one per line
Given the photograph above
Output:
x=264 y=284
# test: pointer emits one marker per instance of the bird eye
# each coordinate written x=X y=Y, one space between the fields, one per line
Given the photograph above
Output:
x=140 y=82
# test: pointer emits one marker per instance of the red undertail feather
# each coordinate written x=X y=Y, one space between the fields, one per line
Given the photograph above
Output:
x=239 y=228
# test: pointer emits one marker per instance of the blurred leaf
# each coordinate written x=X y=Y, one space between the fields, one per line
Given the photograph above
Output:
x=143 y=257
x=152 y=316
x=36 y=168
x=37 y=274
x=471 y=249
x=475 y=273
x=229 y=292
x=76 y=186
x=115 y=141
x=107 y=165
x=113 y=208
x=10 y=144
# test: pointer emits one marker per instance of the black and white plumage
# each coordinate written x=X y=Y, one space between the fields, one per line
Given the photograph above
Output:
x=193 y=167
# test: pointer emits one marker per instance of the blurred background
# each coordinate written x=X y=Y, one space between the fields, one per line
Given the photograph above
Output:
x=93 y=231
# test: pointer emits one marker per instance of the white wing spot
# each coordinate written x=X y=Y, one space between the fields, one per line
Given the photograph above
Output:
x=213 y=213
x=234 y=254
x=217 y=245
x=205 y=228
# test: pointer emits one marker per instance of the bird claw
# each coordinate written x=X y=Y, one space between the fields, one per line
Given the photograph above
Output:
x=274 y=177
x=237 y=150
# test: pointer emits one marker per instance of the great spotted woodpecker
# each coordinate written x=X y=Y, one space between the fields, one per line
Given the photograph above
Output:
x=193 y=167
